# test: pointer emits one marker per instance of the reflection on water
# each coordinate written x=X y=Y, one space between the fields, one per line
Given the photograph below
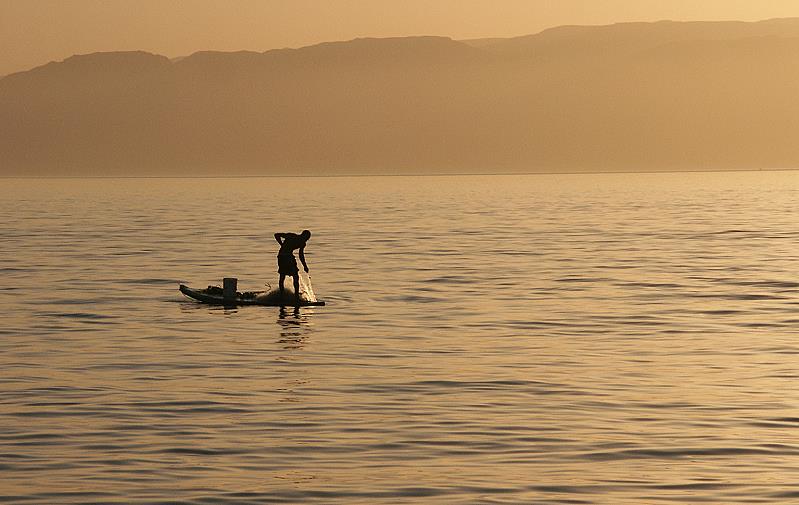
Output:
x=294 y=326
x=611 y=339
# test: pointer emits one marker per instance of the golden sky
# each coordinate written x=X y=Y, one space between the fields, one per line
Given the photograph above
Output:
x=33 y=32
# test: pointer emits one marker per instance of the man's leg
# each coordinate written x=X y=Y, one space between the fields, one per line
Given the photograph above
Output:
x=280 y=283
x=297 y=287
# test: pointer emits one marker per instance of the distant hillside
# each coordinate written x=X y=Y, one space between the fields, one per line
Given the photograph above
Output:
x=652 y=96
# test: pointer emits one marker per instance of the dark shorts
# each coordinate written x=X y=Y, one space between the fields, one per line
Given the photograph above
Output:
x=287 y=265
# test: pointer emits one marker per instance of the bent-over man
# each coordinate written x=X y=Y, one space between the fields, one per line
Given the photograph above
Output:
x=286 y=263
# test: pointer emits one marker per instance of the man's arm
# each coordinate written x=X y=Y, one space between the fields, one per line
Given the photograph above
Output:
x=302 y=259
x=277 y=237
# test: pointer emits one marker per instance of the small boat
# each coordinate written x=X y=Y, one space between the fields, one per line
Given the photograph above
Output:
x=215 y=296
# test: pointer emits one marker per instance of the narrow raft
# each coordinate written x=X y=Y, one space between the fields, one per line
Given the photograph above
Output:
x=214 y=295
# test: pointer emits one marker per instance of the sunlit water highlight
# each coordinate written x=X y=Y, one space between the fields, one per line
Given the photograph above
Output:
x=613 y=339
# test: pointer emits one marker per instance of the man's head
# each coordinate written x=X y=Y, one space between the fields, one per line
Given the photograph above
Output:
x=305 y=235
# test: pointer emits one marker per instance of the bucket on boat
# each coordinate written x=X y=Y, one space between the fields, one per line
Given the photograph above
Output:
x=229 y=285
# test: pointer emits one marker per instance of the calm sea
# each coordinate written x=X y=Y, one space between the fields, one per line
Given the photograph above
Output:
x=580 y=339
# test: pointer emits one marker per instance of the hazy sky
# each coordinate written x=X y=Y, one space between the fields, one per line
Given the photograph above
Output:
x=33 y=32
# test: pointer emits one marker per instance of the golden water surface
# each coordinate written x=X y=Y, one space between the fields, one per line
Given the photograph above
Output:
x=609 y=339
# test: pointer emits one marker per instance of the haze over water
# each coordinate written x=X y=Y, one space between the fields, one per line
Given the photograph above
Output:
x=609 y=339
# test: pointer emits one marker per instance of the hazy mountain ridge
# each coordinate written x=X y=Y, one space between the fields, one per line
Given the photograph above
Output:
x=640 y=35
x=631 y=96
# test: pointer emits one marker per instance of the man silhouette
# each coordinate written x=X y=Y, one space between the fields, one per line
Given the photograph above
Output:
x=286 y=263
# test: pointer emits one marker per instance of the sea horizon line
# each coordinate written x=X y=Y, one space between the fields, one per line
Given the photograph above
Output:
x=356 y=175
